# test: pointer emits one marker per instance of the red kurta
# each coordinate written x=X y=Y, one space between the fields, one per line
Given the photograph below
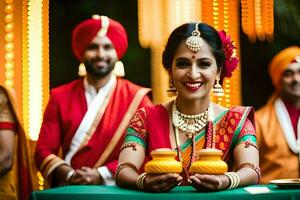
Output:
x=63 y=115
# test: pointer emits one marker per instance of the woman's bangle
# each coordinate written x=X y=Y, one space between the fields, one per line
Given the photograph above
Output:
x=234 y=180
x=125 y=164
x=140 y=181
x=252 y=166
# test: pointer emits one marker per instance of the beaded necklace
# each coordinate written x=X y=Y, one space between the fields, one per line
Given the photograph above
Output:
x=209 y=132
x=189 y=124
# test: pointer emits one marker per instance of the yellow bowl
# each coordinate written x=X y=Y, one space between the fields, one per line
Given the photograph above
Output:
x=163 y=161
x=209 y=162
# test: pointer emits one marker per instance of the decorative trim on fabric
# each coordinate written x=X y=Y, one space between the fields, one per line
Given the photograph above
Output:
x=286 y=125
x=104 y=26
x=50 y=163
x=123 y=125
x=91 y=119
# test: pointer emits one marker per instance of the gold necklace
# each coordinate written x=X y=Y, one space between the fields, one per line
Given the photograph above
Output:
x=189 y=124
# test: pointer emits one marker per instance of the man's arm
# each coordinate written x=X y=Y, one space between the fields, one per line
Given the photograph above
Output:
x=48 y=144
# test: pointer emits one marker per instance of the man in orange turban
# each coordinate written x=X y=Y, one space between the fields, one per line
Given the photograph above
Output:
x=87 y=117
x=277 y=123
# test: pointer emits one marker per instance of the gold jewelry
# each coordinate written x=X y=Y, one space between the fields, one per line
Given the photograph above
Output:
x=249 y=143
x=125 y=164
x=195 y=42
x=128 y=164
x=253 y=166
x=218 y=89
x=171 y=90
x=234 y=180
x=190 y=124
x=129 y=144
x=140 y=181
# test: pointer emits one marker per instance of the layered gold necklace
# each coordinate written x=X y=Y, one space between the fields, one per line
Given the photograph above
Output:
x=189 y=124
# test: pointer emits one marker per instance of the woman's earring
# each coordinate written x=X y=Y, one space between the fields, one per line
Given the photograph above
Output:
x=218 y=89
x=171 y=90
x=81 y=70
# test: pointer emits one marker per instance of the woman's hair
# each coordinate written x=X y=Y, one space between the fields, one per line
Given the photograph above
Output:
x=208 y=33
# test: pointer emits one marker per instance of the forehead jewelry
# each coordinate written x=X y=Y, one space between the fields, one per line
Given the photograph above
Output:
x=195 y=42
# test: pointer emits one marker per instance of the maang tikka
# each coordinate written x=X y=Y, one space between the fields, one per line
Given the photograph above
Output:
x=195 y=42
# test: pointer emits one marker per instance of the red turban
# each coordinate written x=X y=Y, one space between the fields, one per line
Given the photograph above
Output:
x=281 y=61
x=87 y=30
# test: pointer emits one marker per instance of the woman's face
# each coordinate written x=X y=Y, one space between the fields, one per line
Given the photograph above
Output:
x=194 y=74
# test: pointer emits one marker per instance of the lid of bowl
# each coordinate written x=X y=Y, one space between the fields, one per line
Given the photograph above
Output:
x=163 y=152
x=209 y=151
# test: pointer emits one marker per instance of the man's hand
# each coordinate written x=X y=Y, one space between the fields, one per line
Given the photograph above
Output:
x=59 y=175
x=86 y=176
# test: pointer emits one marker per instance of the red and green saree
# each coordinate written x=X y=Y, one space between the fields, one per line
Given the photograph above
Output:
x=150 y=128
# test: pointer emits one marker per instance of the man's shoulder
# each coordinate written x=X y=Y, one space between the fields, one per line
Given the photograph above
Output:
x=128 y=85
x=267 y=108
x=68 y=87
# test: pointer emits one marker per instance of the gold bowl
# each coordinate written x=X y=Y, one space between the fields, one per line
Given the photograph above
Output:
x=163 y=161
x=209 y=161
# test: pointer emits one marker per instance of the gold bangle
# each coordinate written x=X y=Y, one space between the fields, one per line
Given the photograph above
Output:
x=125 y=164
x=140 y=181
x=253 y=166
x=234 y=180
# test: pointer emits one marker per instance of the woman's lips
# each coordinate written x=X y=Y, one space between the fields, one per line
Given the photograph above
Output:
x=193 y=86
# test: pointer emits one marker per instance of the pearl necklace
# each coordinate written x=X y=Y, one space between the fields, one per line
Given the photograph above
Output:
x=189 y=124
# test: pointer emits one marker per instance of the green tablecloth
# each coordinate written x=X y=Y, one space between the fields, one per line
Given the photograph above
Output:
x=178 y=193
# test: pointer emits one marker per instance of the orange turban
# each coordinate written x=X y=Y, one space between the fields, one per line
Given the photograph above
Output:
x=87 y=30
x=281 y=61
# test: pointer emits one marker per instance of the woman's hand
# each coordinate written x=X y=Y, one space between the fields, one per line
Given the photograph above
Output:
x=161 y=182
x=204 y=182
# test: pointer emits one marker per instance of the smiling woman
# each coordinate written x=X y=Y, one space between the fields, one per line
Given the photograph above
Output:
x=196 y=57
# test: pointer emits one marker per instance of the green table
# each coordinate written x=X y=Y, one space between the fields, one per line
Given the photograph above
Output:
x=178 y=193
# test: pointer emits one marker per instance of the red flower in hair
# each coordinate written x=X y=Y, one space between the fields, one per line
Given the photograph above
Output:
x=231 y=60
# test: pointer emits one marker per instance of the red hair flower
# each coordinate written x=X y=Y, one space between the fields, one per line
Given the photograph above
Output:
x=231 y=60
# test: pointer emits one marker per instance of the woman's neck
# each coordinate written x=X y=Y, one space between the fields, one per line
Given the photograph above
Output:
x=192 y=107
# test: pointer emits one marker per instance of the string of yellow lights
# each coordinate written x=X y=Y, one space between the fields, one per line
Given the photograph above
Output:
x=9 y=44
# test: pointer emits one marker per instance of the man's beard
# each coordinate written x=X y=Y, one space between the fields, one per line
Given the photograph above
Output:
x=98 y=72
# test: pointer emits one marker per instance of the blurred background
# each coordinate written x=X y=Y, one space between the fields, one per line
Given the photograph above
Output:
x=36 y=54
x=256 y=85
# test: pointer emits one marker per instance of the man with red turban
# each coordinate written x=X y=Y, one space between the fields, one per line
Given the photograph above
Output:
x=87 y=117
x=277 y=123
